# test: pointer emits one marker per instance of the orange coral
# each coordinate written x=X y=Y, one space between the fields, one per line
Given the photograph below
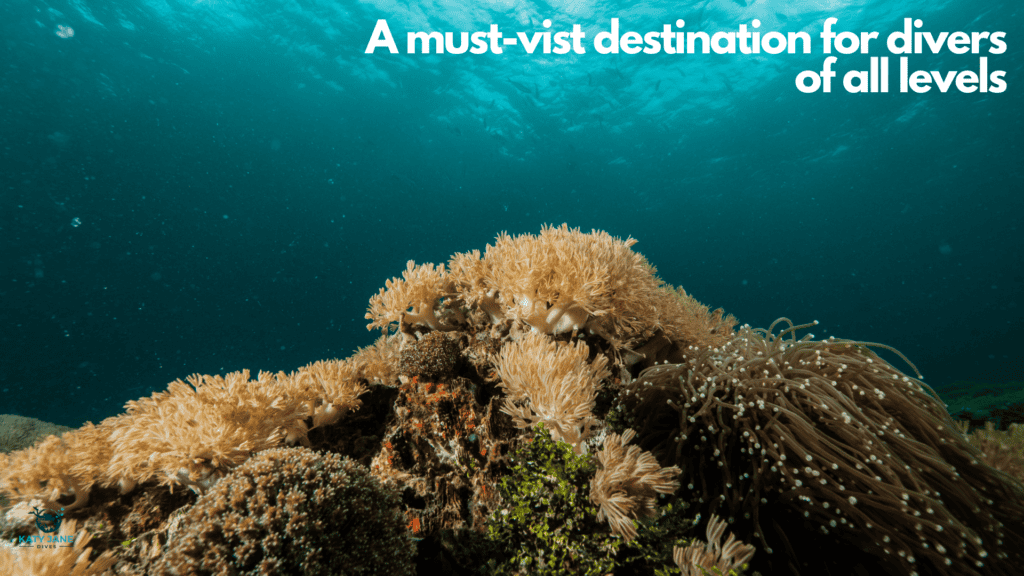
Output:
x=414 y=525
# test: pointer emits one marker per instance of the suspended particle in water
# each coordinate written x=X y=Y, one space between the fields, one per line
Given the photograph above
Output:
x=65 y=31
x=76 y=222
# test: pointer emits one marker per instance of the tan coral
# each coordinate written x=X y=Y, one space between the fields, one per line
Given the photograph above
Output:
x=59 y=466
x=686 y=320
x=557 y=383
x=627 y=483
x=469 y=273
x=560 y=279
x=1000 y=449
x=411 y=300
x=64 y=560
x=378 y=362
x=43 y=471
x=332 y=387
x=713 y=557
x=196 y=431
x=190 y=434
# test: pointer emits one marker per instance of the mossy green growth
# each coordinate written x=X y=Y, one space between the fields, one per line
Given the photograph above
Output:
x=548 y=525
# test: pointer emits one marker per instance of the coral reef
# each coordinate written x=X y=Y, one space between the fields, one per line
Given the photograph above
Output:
x=226 y=420
x=559 y=281
x=190 y=435
x=490 y=430
x=410 y=301
x=57 y=467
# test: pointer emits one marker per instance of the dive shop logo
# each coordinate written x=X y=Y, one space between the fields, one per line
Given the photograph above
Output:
x=48 y=522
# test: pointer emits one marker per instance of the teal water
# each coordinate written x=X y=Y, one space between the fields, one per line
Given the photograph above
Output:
x=210 y=186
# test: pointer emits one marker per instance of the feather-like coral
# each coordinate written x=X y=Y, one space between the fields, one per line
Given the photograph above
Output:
x=198 y=430
x=43 y=471
x=554 y=381
x=713 y=557
x=558 y=281
x=1000 y=449
x=331 y=388
x=59 y=467
x=190 y=434
x=562 y=278
x=378 y=362
x=469 y=273
x=686 y=320
x=627 y=483
x=411 y=300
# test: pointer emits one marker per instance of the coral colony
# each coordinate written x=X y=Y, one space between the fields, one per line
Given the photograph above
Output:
x=548 y=406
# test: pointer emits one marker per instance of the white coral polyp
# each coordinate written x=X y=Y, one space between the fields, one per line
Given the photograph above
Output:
x=558 y=319
x=423 y=315
x=489 y=304
x=327 y=415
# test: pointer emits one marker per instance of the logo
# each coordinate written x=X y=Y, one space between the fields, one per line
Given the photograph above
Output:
x=48 y=521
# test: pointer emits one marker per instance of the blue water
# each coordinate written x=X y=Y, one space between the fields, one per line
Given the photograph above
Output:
x=209 y=186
